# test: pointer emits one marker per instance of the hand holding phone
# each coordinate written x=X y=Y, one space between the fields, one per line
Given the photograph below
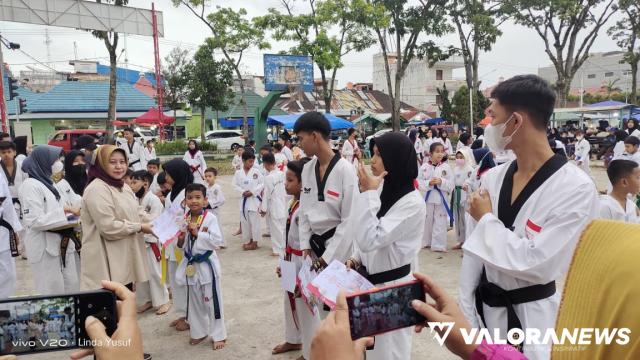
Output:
x=126 y=341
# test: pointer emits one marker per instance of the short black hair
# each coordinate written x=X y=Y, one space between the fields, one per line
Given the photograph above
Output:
x=150 y=141
x=435 y=145
x=127 y=129
x=143 y=175
x=195 y=187
x=155 y=162
x=620 y=168
x=128 y=173
x=269 y=159
x=247 y=155
x=529 y=93
x=477 y=144
x=313 y=121
x=277 y=146
x=464 y=138
x=5 y=145
x=296 y=166
x=212 y=170
x=252 y=142
x=4 y=135
x=162 y=178
x=632 y=140
x=351 y=131
x=266 y=147
x=578 y=131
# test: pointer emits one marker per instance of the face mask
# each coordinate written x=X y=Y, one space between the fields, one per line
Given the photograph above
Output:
x=460 y=162
x=494 y=136
x=77 y=170
x=140 y=193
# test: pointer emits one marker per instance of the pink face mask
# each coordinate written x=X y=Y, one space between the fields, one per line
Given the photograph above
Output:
x=460 y=162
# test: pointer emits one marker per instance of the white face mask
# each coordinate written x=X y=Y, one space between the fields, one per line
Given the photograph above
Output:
x=494 y=136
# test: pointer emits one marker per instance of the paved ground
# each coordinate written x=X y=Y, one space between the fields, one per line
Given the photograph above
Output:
x=253 y=302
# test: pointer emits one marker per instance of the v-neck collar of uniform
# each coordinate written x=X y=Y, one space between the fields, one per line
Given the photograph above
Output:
x=507 y=212
x=321 y=183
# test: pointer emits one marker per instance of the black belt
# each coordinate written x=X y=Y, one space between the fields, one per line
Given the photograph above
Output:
x=134 y=162
x=385 y=276
x=317 y=242
x=495 y=296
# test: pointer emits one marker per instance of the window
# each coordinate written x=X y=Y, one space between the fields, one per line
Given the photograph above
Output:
x=438 y=74
x=60 y=137
x=608 y=74
x=438 y=100
x=591 y=76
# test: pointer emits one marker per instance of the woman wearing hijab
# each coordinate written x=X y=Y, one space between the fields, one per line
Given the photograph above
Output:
x=112 y=246
x=195 y=159
x=177 y=175
x=391 y=225
x=631 y=126
x=417 y=145
x=51 y=259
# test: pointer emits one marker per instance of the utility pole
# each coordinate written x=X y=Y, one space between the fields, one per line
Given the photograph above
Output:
x=3 y=102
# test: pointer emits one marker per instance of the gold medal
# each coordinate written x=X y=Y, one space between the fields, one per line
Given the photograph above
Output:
x=190 y=270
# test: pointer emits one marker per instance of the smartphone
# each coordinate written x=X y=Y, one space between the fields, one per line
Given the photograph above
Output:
x=48 y=323
x=386 y=309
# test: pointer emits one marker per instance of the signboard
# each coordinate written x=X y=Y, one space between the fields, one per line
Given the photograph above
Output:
x=282 y=72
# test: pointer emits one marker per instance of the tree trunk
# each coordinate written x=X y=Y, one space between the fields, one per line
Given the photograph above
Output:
x=474 y=69
x=562 y=90
x=395 y=103
x=175 y=125
x=634 y=84
x=202 y=123
x=113 y=62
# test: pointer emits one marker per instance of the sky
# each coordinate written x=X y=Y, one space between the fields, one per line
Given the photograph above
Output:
x=518 y=51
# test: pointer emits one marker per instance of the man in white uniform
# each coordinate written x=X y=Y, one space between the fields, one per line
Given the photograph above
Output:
x=9 y=226
x=327 y=200
x=530 y=213
x=14 y=176
x=249 y=182
x=273 y=204
x=134 y=150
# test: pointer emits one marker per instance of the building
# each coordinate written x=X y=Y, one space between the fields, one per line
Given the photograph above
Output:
x=597 y=71
x=420 y=83
x=40 y=80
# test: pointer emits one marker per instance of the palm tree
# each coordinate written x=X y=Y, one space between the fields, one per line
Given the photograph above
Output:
x=610 y=87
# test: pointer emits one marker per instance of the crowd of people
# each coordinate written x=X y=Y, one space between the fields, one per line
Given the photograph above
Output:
x=518 y=207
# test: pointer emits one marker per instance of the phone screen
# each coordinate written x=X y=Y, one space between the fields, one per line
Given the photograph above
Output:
x=384 y=310
x=36 y=324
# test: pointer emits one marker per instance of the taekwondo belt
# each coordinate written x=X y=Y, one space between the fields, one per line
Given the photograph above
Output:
x=385 y=276
x=13 y=241
x=199 y=258
x=134 y=162
x=495 y=296
x=317 y=242
x=444 y=201
x=290 y=250
x=67 y=235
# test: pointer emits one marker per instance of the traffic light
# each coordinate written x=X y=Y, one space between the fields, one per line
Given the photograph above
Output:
x=13 y=88
x=23 y=105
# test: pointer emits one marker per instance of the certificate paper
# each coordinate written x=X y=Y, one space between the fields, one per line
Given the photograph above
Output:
x=305 y=276
x=288 y=275
x=168 y=225
x=333 y=279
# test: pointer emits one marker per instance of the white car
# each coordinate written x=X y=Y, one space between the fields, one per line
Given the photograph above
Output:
x=224 y=139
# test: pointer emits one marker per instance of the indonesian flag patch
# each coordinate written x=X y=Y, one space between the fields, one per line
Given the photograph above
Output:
x=333 y=193
x=532 y=229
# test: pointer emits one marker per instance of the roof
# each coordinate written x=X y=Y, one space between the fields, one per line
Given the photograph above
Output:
x=126 y=75
x=236 y=109
x=121 y=115
x=608 y=103
x=89 y=96
x=373 y=101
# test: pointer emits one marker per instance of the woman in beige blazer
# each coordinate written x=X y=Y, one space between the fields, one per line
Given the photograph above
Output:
x=112 y=243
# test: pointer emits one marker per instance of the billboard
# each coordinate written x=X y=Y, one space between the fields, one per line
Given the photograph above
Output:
x=281 y=72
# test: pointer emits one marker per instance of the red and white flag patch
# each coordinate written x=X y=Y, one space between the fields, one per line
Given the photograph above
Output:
x=532 y=229
x=333 y=193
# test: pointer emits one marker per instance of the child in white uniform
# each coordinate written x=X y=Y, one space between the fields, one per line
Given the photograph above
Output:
x=248 y=181
x=195 y=159
x=215 y=197
x=199 y=270
x=463 y=173
x=583 y=149
x=273 y=204
x=617 y=205
x=435 y=178
x=152 y=293
x=236 y=163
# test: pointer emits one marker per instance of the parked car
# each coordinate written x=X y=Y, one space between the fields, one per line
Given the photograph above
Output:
x=224 y=139
x=66 y=139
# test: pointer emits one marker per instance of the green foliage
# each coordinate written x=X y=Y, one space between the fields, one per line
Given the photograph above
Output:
x=446 y=109
x=180 y=147
x=626 y=33
x=460 y=103
x=176 y=77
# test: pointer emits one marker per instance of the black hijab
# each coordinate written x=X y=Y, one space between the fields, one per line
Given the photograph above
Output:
x=181 y=174
x=401 y=163
x=76 y=176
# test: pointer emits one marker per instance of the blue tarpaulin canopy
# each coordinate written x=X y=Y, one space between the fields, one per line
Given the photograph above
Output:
x=287 y=121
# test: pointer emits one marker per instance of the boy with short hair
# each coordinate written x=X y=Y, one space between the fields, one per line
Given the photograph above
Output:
x=281 y=159
x=236 y=163
x=133 y=149
x=127 y=177
x=215 y=197
x=248 y=181
x=625 y=177
x=631 y=144
x=583 y=149
x=153 y=167
x=152 y=293
x=273 y=204
x=200 y=269
x=15 y=176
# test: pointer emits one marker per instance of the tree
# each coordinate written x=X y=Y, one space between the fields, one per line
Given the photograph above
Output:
x=176 y=80
x=610 y=88
x=567 y=28
x=626 y=32
x=460 y=103
x=209 y=82
x=233 y=34
x=407 y=22
x=310 y=34
x=110 y=40
x=446 y=109
x=477 y=23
